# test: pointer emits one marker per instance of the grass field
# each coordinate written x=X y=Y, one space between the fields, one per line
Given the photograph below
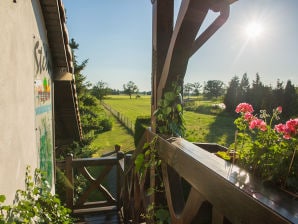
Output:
x=106 y=141
x=131 y=108
x=209 y=128
x=200 y=127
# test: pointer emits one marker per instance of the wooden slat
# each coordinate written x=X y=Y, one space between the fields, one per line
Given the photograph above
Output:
x=94 y=161
x=84 y=211
x=108 y=217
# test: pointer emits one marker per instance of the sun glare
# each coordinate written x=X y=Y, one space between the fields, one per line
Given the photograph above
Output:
x=254 y=30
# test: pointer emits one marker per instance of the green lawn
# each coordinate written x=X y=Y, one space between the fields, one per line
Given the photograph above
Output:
x=200 y=127
x=106 y=141
x=131 y=108
x=209 y=128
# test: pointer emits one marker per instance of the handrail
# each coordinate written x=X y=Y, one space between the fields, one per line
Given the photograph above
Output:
x=232 y=192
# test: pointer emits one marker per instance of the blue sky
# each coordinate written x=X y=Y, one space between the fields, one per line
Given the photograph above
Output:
x=116 y=38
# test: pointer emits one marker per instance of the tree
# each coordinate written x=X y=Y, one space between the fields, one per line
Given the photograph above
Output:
x=278 y=93
x=243 y=88
x=92 y=116
x=196 y=88
x=213 y=88
x=256 y=93
x=231 y=98
x=130 y=88
x=81 y=84
x=290 y=102
x=188 y=87
x=100 y=90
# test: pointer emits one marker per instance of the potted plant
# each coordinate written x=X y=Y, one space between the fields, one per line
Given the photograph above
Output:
x=266 y=147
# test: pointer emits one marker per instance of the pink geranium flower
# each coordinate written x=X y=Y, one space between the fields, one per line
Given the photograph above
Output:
x=249 y=116
x=292 y=126
x=290 y=129
x=259 y=124
x=244 y=108
x=280 y=128
x=263 y=147
x=279 y=109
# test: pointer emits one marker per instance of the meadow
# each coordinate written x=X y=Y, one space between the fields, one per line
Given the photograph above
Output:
x=203 y=125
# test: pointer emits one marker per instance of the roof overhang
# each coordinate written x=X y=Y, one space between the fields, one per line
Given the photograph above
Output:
x=67 y=117
x=54 y=16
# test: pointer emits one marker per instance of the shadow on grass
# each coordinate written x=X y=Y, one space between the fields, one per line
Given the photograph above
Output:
x=222 y=130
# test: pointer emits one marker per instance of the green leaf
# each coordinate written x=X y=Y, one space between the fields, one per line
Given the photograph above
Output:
x=169 y=96
x=168 y=110
x=179 y=107
x=146 y=145
x=2 y=198
x=150 y=191
x=162 y=214
x=147 y=153
x=139 y=162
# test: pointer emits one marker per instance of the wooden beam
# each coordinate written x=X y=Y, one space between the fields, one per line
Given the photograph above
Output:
x=172 y=47
x=224 y=8
x=163 y=13
x=191 y=15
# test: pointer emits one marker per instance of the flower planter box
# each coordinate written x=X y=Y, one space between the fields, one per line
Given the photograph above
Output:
x=214 y=148
x=233 y=192
x=280 y=201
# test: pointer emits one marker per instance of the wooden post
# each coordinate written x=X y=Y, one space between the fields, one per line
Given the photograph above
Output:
x=70 y=182
x=120 y=170
x=163 y=13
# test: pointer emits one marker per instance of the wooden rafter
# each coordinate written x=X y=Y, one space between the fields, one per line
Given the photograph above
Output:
x=173 y=46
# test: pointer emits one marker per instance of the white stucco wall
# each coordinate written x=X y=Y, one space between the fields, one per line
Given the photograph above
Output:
x=19 y=31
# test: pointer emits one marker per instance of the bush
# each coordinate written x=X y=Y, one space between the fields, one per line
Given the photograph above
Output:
x=210 y=109
x=189 y=105
x=106 y=124
x=141 y=124
x=35 y=204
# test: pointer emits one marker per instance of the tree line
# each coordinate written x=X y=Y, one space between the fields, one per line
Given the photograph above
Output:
x=101 y=89
x=258 y=94
x=261 y=96
x=212 y=88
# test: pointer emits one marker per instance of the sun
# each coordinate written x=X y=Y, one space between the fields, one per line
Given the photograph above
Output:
x=254 y=30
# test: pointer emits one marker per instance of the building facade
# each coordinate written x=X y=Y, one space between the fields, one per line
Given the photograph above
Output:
x=38 y=104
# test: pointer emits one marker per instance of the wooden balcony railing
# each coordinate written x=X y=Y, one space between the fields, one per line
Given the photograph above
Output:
x=218 y=191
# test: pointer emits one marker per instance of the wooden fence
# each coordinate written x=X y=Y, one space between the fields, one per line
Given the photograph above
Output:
x=111 y=165
x=125 y=121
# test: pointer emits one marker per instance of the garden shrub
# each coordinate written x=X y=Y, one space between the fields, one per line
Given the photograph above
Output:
x=189 y=105
x=106 y=124
x=210 y=109
x=142 y=122
x=35 y=204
